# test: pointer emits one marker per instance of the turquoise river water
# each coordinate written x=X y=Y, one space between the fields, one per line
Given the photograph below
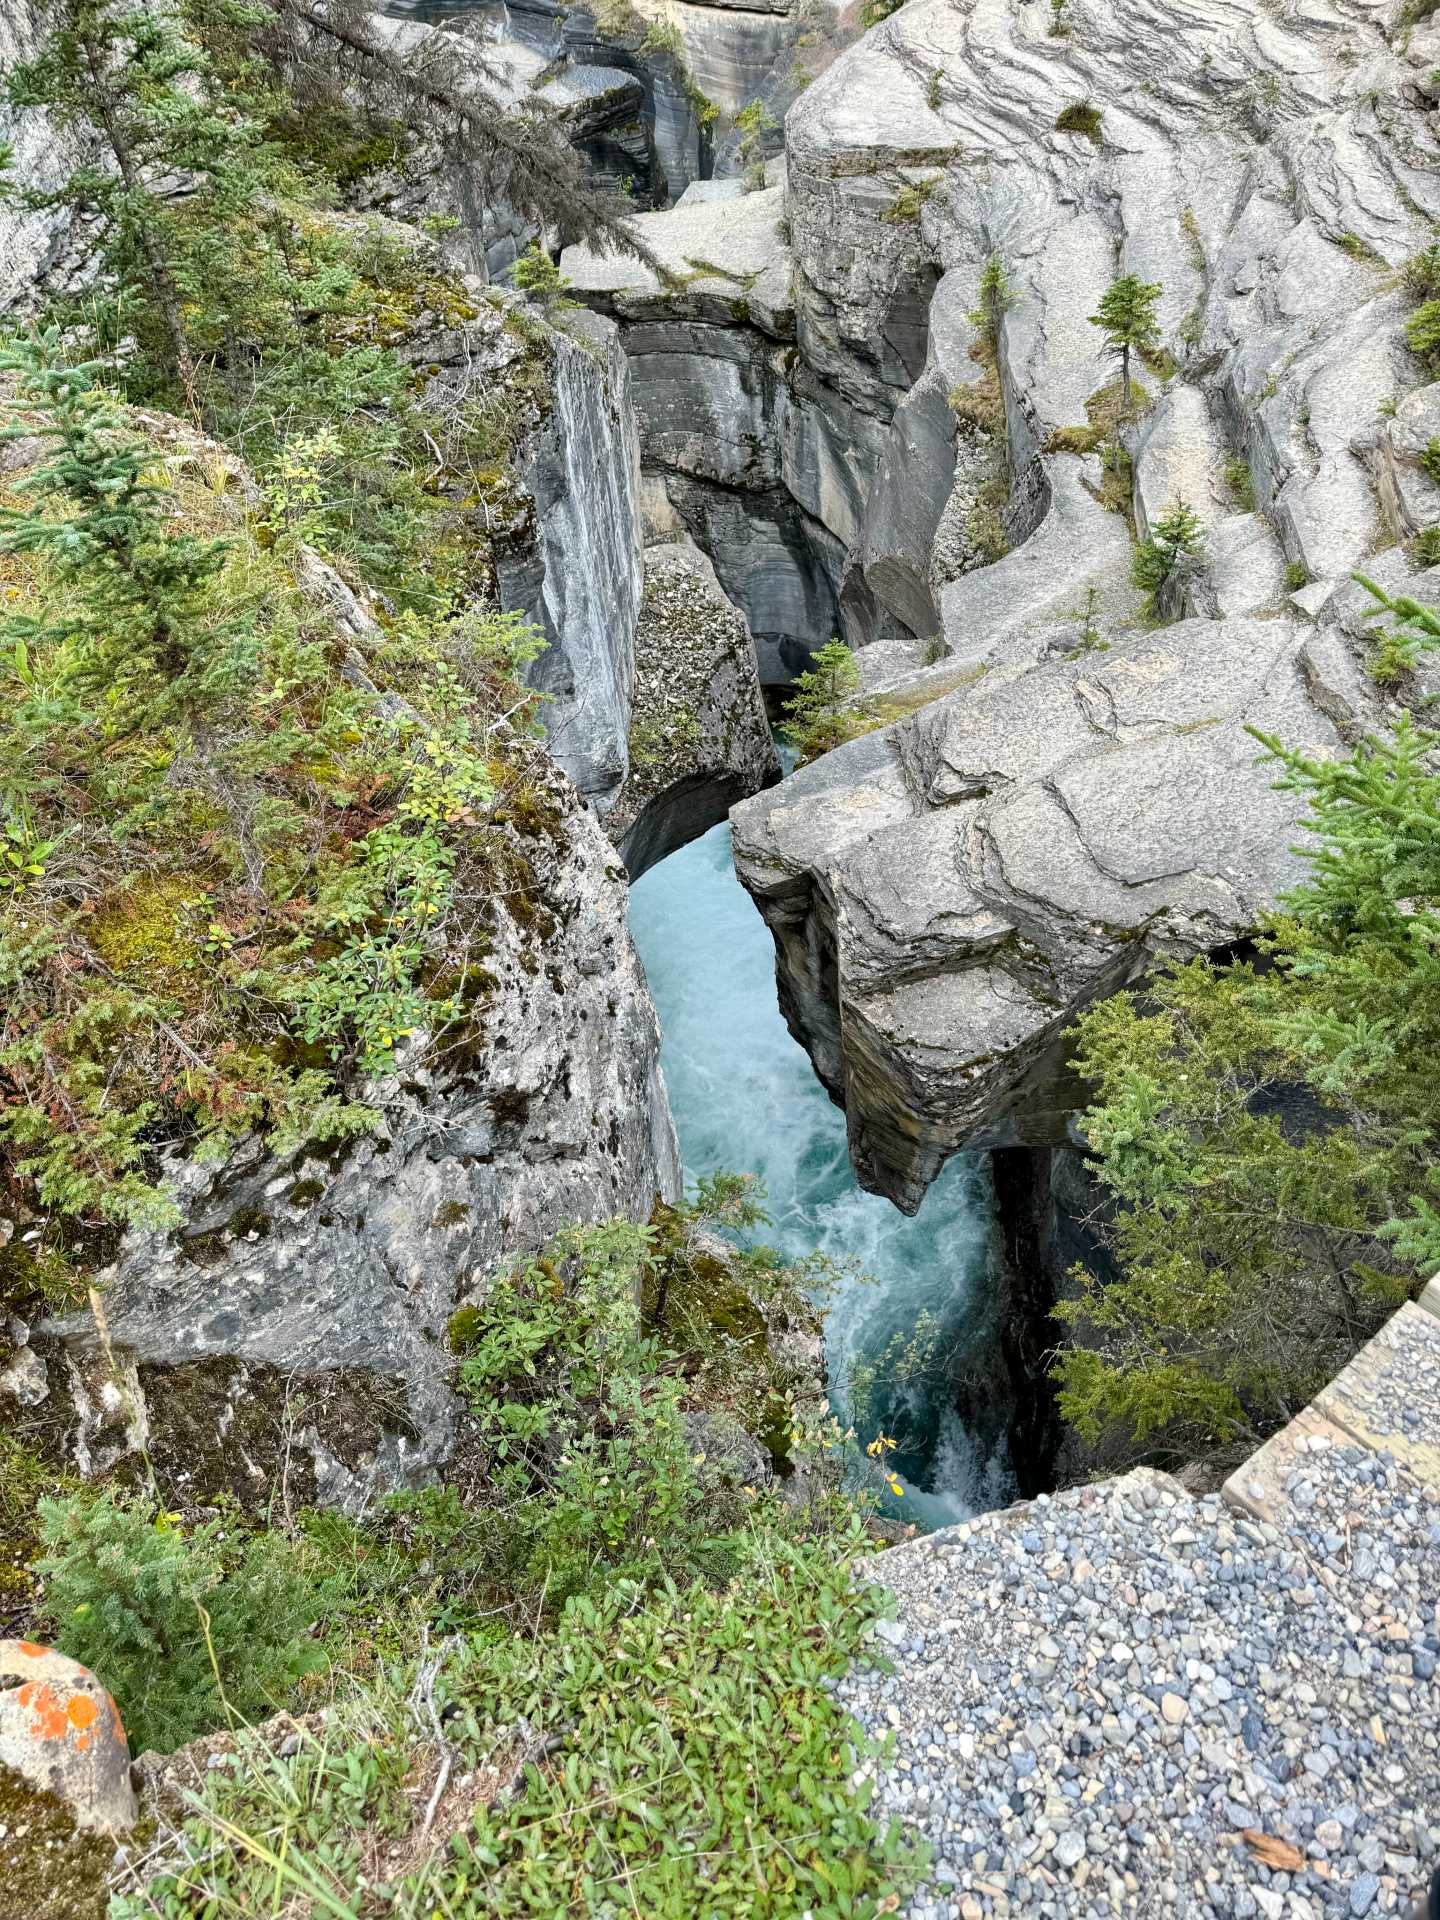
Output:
x=746 y=1100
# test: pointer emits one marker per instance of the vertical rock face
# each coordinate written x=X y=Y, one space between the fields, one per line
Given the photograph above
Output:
x=35 y=248
x=295 y=1323
x=947 y=893
x=577 y=572
x=768 y=467
x=699 y=735
x=290 y=1332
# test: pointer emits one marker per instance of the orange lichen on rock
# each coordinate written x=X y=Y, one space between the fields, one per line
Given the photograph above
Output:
x=49 y=1719
x=54 y=1715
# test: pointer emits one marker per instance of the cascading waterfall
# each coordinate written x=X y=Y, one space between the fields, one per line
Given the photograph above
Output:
x=745 y=1100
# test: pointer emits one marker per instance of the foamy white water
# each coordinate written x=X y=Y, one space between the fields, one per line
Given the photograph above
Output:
x=746 y=1101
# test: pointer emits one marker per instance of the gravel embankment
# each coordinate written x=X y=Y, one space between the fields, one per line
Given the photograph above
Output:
x=1124 y=1700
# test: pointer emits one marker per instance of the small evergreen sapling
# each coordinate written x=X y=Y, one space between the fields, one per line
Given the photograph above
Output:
x=135 y=1598
x=1127 y=316
x=753 y=123
x=823 y=713
x=1178 y=536
x=129 y=80
x=996 y=297
x=540 y=280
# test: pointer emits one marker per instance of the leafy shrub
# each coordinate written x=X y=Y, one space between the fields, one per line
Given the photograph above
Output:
x=692 y=1761
x=581 y=1369
x=136 y=1598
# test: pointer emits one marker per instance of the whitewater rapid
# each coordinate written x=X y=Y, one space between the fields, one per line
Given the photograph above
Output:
x=745 y=1100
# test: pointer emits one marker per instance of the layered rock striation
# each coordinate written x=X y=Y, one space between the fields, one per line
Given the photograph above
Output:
x=947 y=893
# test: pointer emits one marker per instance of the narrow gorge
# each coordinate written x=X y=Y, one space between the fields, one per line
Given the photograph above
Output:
x=718 y=892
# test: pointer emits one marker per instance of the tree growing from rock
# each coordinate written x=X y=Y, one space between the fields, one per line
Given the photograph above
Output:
x=1127 y=316
x=1178 y=536
x=753 y=123
x=175 y=174
x=1270 y=1135
x=995 y=298
x=822 y=712
x=538 y=277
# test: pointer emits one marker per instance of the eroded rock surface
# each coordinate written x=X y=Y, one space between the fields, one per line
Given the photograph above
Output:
x=945 y=895
x=699 y=735
x=294 y=1325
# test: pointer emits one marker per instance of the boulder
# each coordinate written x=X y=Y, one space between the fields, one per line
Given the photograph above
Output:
x=61 y=1733
x=947 y=893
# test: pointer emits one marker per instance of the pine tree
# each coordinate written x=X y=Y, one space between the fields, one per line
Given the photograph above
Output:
x=1271 y=1135
x=822 y=712
x=1128 y=319
x=997 y=296
x=140 y=626
x=125 y=1590
x=753 y=123
x=180 y=175
x=1178 y=536
x=330 y=55
x=537 y=276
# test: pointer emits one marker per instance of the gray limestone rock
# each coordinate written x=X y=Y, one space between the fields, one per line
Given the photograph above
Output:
x=945 y=894
x=577 y=570
x=291 y=1333
x=699 y=734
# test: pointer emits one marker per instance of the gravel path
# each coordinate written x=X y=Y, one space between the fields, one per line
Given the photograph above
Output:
x=1125 y=1700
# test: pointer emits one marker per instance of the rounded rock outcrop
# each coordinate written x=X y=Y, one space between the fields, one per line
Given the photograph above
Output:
x=62 y=1734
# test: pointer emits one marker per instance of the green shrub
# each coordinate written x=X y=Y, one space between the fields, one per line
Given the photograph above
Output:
x=1430 y=460
x=1297 y=575
x=691 y=1760
x=156 y=1610
x=1270 y=1135
x=1241 y=483
x=1427 y=547
x=1081 y=116
x=911 y=201
x=1422 y=334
